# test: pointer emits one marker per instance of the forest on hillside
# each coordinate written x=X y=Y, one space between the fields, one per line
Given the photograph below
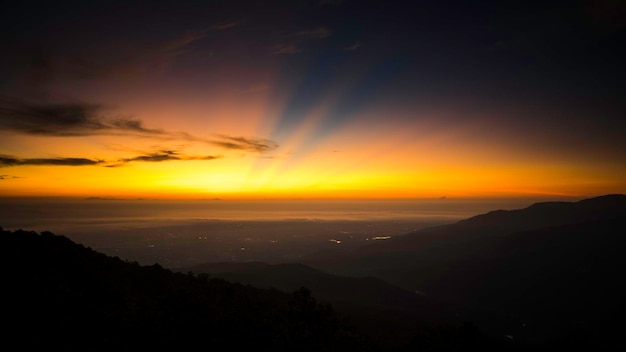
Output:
x=62 y=295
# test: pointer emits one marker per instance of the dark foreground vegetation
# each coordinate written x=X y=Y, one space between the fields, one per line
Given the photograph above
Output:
x=60 y=295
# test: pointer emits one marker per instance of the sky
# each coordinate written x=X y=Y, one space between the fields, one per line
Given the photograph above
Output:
x=312 y=99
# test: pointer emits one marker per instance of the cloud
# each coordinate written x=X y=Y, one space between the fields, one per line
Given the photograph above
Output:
x=353 y=47
x=226 y=25
x=168 y=155
x=38 y=68
x=65 y=119
x=81 y=119
x=127 y=58
x=317 y=33
x=161 y=156
x=285 y=49
x=259 y=145
x=174 y=47
x=7 y=161
x=243 y=143
x=300 y=37
x=159 y=58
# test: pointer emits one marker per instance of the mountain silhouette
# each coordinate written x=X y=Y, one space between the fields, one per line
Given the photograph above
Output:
x=555 y=269
x=60 y=295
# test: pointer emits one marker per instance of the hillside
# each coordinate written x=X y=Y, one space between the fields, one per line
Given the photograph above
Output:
x=555 y=269
x=62 y=296
x=389 y=314
x=288 y=277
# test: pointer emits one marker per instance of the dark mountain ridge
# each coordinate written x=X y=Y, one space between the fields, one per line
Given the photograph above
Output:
x=553 y=267
x=499 y=223
x=551 y=214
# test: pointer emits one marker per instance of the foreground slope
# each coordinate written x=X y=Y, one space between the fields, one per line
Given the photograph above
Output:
x=61 y=295
x=388 y=314
x=333 y=288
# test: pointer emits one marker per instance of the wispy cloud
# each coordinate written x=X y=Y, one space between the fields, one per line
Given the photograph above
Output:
x=161 y=57
x=154 y=157
x=130 y=60
x=226 y=25
x=6 y=161
x=39 y=69
x=286 y=49
x=316 y=33
x=9 y=177
x=65 y=119
x=168 y=155
x=249 y=144
x=82 y=119
x=353 y=47
x=174 y=46
x=259 y=145
x=298 y=39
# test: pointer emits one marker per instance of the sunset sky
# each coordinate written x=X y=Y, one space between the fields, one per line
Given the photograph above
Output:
x=313 y=99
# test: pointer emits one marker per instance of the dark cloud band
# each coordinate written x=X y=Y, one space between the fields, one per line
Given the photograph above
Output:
x=243 y=143
x=80 y=119
x=160 y=156
x=6 y=161
x=168 y=155
x=65 y=119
